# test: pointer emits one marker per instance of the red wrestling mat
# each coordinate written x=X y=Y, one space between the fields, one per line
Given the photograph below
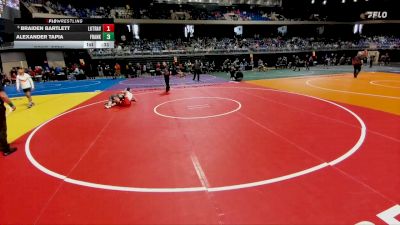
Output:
x=233 y=154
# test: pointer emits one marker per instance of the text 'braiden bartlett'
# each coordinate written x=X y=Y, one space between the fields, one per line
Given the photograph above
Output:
x=49 y=28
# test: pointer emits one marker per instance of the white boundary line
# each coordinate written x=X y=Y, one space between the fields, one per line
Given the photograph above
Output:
x=270 y=181
x=308 y=82
x=197 y=117
x=200 y=171
x=208 y=78
x=310 y=73
x=340 y=159
x=47 y=85
x=375 y=82
x=56 y=89
x=161 y=81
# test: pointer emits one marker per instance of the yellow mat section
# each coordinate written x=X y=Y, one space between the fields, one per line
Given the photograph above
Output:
x=23 y=119
x=374 y=90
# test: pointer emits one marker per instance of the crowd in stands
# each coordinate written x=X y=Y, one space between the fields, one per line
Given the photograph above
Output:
x=222 y=13
x=130 y=70
x=43 y=6
x=156 y=11
x=236 y=45
x=47 y=73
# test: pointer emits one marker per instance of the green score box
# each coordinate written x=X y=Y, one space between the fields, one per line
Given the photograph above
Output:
x=108 y=36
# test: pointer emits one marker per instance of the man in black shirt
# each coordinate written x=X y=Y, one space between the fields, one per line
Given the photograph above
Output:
x=4 y=146
x=167 y=73
x=357 y=63
x=197 y=70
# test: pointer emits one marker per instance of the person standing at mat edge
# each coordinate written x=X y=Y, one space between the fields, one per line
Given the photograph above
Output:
x=197 y=70
x=356 y=61
x=166 y=79
x=25 y=82
x=4 y=146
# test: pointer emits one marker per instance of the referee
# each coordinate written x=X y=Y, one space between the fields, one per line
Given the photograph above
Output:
x=166 y=79
x=197 y=70
x=357 y=63
x=4 y=146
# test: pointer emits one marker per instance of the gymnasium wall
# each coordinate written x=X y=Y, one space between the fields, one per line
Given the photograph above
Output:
x=55 y=58
x=13 y=59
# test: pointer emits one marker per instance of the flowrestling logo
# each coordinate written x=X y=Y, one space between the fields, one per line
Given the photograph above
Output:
x=374 y=15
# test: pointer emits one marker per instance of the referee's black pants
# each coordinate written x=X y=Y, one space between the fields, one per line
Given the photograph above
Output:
x=166 y=79
x=196 y=73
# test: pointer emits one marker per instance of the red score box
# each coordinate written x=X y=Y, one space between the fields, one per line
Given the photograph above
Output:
x=108 y=27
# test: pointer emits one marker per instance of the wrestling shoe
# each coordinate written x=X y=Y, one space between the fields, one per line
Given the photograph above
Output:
x=10 y=151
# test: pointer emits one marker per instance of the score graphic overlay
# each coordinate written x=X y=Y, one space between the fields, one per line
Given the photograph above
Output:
x=64 y=33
